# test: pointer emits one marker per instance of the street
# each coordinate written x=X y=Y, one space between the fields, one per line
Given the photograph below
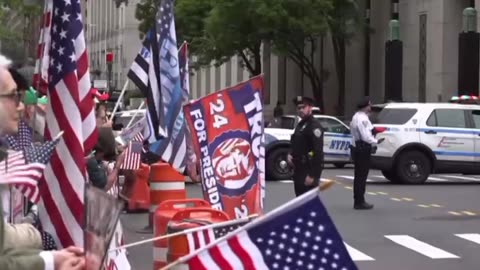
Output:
x=431 y=226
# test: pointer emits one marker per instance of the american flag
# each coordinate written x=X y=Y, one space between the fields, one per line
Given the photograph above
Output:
x=36 y=158
x=133 y=154
x=166 y=131
x=298 y=235
x=71 y=110
x=201 y=238
x=40 y=75
x=22 y=139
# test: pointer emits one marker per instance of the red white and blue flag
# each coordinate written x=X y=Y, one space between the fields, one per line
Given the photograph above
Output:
x=133 y=154
x=227 y=131
x=70 y=109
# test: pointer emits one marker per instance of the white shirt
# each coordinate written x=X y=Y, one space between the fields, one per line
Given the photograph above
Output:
x=361 y=128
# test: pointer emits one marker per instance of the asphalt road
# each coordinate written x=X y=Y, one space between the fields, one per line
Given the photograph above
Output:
x=432 y=226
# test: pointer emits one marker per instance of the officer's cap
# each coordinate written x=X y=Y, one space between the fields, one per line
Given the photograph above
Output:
x=364 y=102
x=303 y=100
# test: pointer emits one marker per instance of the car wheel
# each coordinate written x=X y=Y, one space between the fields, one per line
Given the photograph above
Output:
x=413 y=167
x=339 y=165
x=277 y=165
x=390 y=176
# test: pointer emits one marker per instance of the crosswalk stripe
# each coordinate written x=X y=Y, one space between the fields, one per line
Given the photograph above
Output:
x=421 y=247
x=464 y=178
x=357 y=255
x=474 y=237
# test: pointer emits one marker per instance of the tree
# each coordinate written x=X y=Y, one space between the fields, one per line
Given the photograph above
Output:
x=293 y=26
x=344 y=20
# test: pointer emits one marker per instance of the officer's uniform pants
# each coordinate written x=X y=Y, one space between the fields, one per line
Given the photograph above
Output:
x=362 y=155
x=299 y=175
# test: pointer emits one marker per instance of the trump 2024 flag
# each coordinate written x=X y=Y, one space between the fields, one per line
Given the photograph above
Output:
x=227 y=133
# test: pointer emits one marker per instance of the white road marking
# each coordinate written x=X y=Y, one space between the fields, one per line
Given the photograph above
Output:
x=357 y=255
x=421 y=247
x=285 y=181
x=464 y=178
x=474 y=237
x=348 y=177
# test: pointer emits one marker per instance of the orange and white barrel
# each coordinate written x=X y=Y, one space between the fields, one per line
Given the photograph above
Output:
x=163 y=214
x=186 y=219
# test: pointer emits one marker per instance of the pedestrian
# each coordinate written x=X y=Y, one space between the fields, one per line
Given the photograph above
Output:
x=362 y=144
x=13 y=258
x=306 y=153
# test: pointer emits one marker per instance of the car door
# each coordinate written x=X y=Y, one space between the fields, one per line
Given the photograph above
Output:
x=336 y=140
x=447 y=134
x=476 y=128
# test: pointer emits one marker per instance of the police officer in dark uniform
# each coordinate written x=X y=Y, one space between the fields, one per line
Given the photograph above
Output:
x=306 y=153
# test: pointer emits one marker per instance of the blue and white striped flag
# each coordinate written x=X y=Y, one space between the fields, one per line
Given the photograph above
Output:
x=166 y=130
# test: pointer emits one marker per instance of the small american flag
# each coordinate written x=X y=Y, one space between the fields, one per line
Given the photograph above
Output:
x=298 y=235
x=22 y=139
x=37 y=157
x=133 y=155
x=25 y=168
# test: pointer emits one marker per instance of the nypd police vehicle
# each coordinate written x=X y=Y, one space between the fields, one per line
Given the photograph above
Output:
x=336 y=142
x=425 y=138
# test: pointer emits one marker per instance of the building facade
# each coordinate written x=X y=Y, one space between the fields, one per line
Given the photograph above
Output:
x=429 y=30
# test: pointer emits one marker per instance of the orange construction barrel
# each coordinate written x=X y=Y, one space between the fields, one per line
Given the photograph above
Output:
x=164 y=213
x=135 y=190
x=165 y=184
x=178 y=246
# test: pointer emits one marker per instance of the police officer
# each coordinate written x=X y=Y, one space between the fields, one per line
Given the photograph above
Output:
x=306 y=153
x=362 y=142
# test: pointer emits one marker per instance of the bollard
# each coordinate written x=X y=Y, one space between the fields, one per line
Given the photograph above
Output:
x=163 y=214
x=135 y=190
x=165 y=184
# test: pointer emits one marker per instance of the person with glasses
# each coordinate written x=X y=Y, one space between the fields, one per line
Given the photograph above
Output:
x=14 y=258
x=306 y=150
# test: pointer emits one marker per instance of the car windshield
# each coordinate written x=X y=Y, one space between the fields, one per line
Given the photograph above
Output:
x=392 y=116
x=283 y=122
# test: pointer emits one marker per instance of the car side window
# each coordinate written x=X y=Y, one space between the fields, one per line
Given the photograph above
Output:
x=447 y=118
x=476 y=119
x=331 y=125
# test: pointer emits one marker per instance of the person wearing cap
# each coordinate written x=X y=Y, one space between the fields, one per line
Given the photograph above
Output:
x=306 y=153
x=362 y=143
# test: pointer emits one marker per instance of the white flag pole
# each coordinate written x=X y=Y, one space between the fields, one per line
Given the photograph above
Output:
x=314 y=192
x=192 y=230
x=120 y=98
x=135 y=114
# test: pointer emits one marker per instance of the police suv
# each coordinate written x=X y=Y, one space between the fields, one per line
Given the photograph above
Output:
x=336 y=144
x=425 y=138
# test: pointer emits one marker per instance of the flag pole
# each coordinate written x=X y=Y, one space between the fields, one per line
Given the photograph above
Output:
x=135 y=114
x=192 y=230
x=120 y=98
x=276 y=211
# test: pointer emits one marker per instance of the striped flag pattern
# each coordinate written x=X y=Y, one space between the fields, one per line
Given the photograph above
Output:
x=14 y=170
x=201 y=238
x=166 y=131
x=71 y=110
x=40 y=75
x=133 y=155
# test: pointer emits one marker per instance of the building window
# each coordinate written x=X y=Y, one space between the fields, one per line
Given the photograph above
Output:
x=422 y=65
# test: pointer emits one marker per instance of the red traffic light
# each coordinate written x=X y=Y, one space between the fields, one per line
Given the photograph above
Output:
x=109 y=57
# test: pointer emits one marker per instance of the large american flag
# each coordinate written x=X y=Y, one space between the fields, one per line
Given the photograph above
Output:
x=166 y=131
x=71 y=110
x=40 y=75
x=133 y=154
x=299 y=235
